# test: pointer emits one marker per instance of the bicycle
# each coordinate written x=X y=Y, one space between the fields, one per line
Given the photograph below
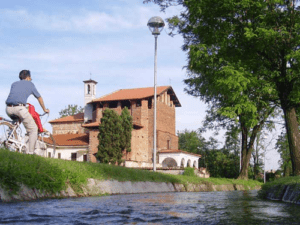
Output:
x=11 y=137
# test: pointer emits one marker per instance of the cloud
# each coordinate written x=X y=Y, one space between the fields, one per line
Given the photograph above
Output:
x=82 y=21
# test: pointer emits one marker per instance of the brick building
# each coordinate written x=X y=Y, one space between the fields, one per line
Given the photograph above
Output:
x=139 y=101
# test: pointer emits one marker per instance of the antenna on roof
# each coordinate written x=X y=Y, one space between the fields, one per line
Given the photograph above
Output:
x=170 y=81
x=90 y=76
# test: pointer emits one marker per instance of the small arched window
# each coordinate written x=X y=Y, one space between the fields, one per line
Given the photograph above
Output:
x=195 y=164
x=88 y=89
x=168 y=144
x=189 y=163
x=182 y=162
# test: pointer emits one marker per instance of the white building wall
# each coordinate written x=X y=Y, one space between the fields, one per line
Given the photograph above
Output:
x=67 y=153
x=134 y=164
x=178 y=158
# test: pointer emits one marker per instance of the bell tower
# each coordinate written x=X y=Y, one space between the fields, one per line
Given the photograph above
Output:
x=89 y=95
x=89 y=90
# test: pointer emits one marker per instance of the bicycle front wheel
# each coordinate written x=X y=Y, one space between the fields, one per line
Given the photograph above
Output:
x=7 y=134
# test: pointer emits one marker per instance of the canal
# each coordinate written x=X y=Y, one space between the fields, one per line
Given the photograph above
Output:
x=236 y=207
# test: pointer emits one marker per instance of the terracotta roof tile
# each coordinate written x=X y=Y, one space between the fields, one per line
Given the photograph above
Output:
x=69 y=140
x=122 y=94
x=177 y=151
x=75 y=118
x=130 y=94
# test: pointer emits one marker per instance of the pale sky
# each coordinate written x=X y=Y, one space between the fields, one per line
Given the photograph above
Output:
x=62 y=42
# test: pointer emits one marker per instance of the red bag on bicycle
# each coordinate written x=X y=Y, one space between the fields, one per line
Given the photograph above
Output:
x=36 y=117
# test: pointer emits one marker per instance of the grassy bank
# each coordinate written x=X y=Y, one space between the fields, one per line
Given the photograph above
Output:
x=53 y=174
x=279 y=184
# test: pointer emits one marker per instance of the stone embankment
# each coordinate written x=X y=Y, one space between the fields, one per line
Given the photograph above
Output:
x=285 y=193
x=96 y=188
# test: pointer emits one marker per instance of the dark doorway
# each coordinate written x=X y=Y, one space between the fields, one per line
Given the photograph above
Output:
x=73 y=156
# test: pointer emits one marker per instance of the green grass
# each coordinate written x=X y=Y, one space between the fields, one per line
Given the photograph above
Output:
x=53 y=174
x=280 y=183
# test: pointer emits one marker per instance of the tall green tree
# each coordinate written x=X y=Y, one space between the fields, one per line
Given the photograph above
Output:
x=126 y=120
x=110 y=132
x=221 y=163
x=224 y=114
x=71 y=110
x=191 y=141
x=240 y=44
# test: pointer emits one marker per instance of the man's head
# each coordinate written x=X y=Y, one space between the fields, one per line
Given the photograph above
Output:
x=24 y=74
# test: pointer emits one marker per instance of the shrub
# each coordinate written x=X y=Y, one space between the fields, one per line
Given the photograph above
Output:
x=188 y=171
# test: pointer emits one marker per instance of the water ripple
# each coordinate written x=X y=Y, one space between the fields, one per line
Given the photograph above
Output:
x=168 y=208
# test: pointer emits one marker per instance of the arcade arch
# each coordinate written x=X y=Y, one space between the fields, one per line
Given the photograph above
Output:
x=177 y=158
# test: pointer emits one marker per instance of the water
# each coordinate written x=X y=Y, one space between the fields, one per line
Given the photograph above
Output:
x=235 y=207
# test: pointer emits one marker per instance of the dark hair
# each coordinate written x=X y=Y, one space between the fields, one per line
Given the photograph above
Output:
x=24 y=74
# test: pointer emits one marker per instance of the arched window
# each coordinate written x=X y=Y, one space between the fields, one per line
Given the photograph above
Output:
x=182 y=162
x=169 y=162
x=88 y=89
x=189 y=163
x=195 y=164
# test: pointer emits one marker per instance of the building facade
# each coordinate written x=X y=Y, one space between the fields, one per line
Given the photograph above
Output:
x=140 y=103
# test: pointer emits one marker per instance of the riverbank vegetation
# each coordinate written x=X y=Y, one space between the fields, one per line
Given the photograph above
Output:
x=278 y=186
x=54 y=174
x=281 y=182
x=222 y=162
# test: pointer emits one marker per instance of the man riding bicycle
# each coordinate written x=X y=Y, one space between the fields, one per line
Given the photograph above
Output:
x=16 y=105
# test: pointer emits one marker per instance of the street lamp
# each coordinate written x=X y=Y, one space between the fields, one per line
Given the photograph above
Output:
x=264 y=137
x=156 y=25
x=265 y=167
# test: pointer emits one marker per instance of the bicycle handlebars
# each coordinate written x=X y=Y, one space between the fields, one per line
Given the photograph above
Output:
x=43 y=114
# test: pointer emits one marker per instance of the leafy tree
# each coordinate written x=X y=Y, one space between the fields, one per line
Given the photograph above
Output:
x=222 y=164
x=283 y=149
x=212 y=143
x=191 y=141
x=244 y=45
x=239 y=121
x=71 y=110
x=110 y=132
x=232 y=141
x=126 y=120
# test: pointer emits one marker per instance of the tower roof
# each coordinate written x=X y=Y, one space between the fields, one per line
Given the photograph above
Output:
x=90 y=81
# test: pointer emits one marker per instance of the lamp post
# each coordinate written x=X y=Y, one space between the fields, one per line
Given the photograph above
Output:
x=264 y=137
x=265 y=167
x=156 y=25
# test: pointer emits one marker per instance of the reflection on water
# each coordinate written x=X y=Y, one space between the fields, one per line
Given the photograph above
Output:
x=236 y=207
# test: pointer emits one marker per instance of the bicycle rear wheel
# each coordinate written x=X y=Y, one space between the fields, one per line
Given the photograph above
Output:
x=6 y=131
